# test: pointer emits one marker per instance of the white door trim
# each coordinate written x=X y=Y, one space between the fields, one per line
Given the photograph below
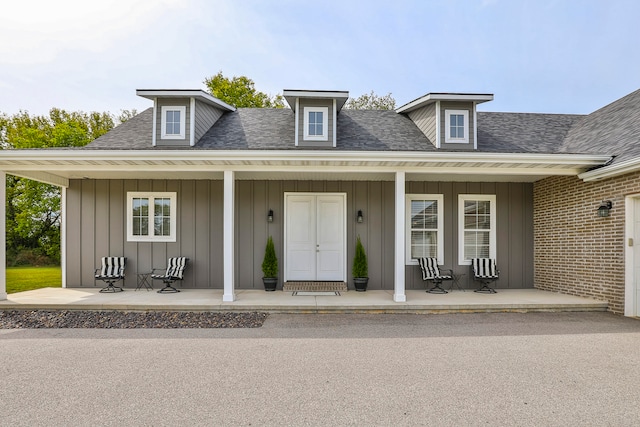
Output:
x=630 y=292
x=344 y=230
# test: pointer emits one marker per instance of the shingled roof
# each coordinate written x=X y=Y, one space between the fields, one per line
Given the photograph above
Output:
x=612 y=130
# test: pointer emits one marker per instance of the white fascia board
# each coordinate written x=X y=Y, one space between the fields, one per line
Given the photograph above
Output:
x=433 y=97
x=45 y=177
x=496 y=163
x=198 y=94
x=292 y=96
x=605 y=172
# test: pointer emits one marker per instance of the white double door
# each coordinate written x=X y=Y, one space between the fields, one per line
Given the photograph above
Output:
x=315 y=236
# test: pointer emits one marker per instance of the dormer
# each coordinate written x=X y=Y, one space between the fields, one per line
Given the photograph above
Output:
x=182 y=116
x=316 y=114
x=448 y=120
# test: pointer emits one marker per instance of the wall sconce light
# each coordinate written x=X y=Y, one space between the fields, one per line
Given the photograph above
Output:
x=605 y=207
x=270 y=216
x=360 y=217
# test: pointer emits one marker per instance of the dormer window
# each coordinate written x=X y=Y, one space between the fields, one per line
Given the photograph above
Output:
x=173 y=122
x=316 y=123
x=457 y=126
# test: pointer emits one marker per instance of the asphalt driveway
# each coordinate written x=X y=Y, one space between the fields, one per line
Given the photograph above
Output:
x=441 y=370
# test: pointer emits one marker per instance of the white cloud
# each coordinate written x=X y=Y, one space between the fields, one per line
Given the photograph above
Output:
x=36 y=31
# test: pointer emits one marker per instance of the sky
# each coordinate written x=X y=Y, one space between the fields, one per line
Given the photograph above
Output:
x=543 y=56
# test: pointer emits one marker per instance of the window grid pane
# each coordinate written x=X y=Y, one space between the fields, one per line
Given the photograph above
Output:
x=477 y=228
x=173 y=122
x=424 y=228
x=140 y=216
x=315 y=123
x=162 y=216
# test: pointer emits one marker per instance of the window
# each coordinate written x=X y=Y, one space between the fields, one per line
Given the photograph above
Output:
x=151 y=217
x=457 y=126
x=316 y=123
x=477 y=227
x=173 y=122
x=425 y=227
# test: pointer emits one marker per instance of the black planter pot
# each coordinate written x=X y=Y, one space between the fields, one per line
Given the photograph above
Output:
x=270 y=283
x=360 y=283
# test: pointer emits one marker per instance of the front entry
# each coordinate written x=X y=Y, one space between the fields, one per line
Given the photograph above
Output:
x=315 y=237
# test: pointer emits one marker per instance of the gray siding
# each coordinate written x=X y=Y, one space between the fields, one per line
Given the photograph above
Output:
x=206 y=115
x=96 y=224
x=315 y=103
x=456 y=106
x=173 y=102
x=96 y=227
x=425 y=120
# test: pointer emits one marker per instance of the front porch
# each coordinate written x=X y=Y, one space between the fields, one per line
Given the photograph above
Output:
x=377 y=301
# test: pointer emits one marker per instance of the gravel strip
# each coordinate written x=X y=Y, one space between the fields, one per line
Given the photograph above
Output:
x=38 y=319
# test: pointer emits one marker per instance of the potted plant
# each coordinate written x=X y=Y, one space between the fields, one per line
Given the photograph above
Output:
x=360 y=270
x=270 y=267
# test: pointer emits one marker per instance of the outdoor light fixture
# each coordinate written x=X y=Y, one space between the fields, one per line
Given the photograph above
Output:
x=270 y=216
x=360 y=218
x=605 y=207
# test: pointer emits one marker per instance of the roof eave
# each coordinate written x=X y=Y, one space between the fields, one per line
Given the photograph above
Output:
x=185 y=93
x=430 y=98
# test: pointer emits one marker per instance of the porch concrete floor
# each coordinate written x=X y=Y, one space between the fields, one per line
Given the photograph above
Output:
x=518 y=300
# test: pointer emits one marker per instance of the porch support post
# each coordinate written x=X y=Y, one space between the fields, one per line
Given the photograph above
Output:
x=398 y=286
x=228 y=234
x=3 y=236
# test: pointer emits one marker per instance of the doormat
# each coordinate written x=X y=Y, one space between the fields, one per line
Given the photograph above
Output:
x=315 y=293
x=292 y=286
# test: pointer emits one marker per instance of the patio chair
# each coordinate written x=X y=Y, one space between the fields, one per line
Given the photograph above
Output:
x=111 y=271
x=431 y=273
x=173 y=273
x=485 y=272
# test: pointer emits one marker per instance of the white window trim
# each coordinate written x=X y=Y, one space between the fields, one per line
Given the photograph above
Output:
x=447 y=126
x=325 y=123
x=163 y=121
x=408 y=199
x=491 y=198
x=151 y=196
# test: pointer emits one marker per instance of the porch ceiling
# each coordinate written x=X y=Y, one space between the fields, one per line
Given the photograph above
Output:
x=58 y=166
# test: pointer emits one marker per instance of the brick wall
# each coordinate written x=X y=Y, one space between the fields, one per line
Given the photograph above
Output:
x=575 y=251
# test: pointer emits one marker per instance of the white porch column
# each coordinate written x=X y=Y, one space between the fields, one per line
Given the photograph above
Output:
x=398 y=286
x=228 y=245
x=3 y=236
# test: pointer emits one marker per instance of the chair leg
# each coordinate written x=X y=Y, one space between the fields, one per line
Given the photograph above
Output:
x=485 y=289
x=110 y=288
x=437 y=289
x=168 y=289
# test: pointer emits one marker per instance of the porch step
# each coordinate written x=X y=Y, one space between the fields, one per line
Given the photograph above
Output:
x=314 y=286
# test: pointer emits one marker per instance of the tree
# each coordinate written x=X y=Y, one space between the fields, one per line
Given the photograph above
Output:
x=371 y=101
x=33 y=208
x=241 y=92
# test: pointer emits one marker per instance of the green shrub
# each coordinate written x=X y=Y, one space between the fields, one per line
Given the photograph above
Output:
x=270 y=261
x=360 y=265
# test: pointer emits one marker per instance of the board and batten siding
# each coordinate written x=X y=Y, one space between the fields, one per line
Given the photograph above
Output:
x=468 y=106
x=315 y=103
x=205 y=117
x=173 y=102
x=96 y=227
x=425 y=120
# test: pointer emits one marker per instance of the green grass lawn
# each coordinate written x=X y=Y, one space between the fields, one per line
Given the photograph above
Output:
x=27 y=278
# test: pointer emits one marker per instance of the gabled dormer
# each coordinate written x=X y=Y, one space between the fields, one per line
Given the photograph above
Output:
x=182 y=116
x=315 y=114
x=448 y=120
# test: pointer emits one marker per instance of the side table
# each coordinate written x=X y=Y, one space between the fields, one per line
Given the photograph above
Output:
x=456 y=281
x=143 y=281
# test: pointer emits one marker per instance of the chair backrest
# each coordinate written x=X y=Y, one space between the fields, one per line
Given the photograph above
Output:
x=112 y=266
x=175 y=267
x=429 y=267
x=484 y=267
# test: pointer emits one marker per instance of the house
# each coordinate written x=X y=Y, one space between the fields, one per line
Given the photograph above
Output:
x=196 y=177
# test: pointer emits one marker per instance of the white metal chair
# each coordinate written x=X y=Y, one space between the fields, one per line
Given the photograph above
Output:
x=173 y=273
x=485 y=271
x=111 y=271
x=431 y=272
